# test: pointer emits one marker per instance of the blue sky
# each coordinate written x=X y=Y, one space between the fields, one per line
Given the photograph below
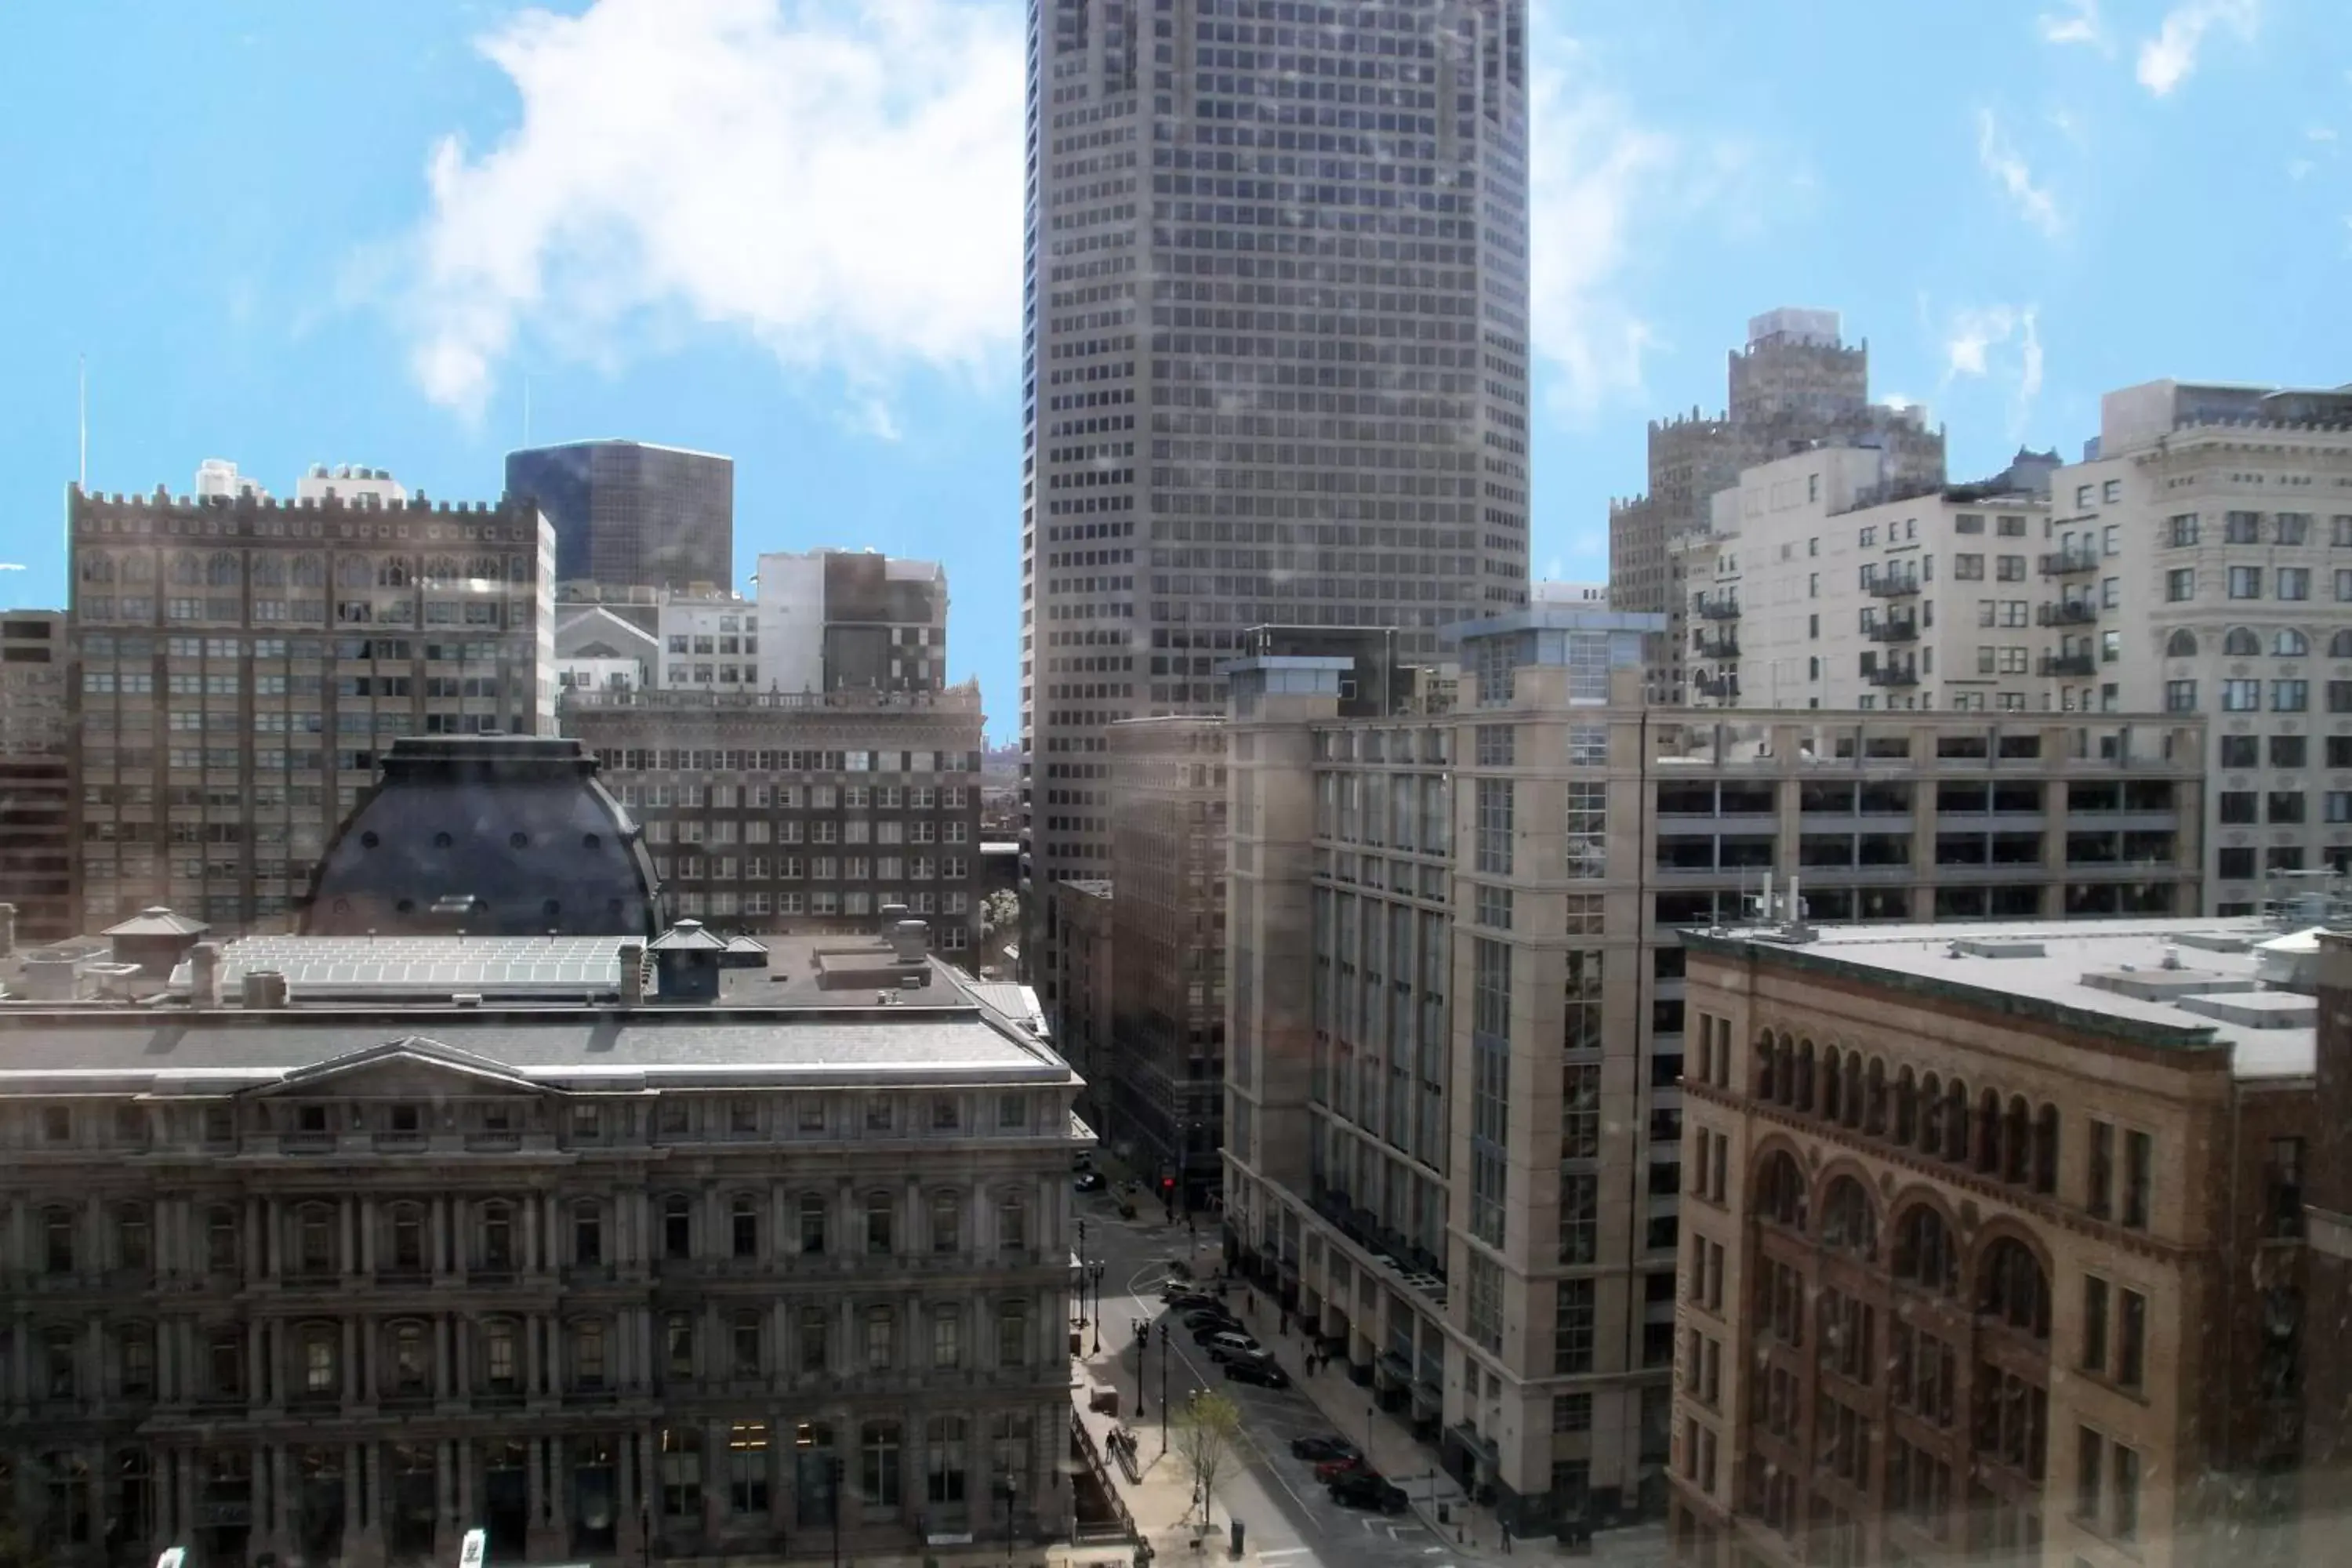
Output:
x=788 y=230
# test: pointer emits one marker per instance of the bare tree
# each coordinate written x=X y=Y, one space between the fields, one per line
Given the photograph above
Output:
x=1207 y=1429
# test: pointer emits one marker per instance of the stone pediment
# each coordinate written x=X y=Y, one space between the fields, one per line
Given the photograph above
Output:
x=412 y=1067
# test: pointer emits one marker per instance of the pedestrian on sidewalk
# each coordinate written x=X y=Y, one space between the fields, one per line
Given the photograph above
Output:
x=1506 y=1537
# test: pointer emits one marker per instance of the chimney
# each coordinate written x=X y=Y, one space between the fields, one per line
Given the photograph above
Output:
x=263 y=989
x=205 y=975
x=632 y=974
x=910 y=940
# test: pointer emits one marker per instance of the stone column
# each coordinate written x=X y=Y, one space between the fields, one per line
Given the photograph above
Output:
x=544 y=1537
x=167 y=1362
x=445 y=1493
x=351 y=1390
x=466 y=1463
x=185 y=1477
x=257 y=1241
x=444 y=1356
x=436 y=1232
x=96 y=1353
x=274 y=1222
x=628 y=1535
x=717 y=1479
x=368 y=1225
x=530 y=1261
x=531 y=1360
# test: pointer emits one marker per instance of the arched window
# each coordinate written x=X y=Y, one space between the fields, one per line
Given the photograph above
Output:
x=1012 y=1221
x=57 y=1248
x=881 y=1227
x=1874 y=1090
x=2340 y=645
x=268 y=570
x=321 y=1346
x=1956 y=1123
x=309 y=571
x=2240 y=642
x=221 y=570
x=1849 y=1222
x=187 y=571
x=1851 y=1095
x=2017 y=1142
x=1803 y=1099
x=1924 y=1252
x=743 y=1226
x=352 y=571
x=588 y=1343
x=588 y=1234
x=2045 y=1150
x=2013 y=1287
x=1768 y=1057
x=2289 y=643
x=392 y=572
x=501 y=1369
x=1931 y=1116
x=314 y=1239
x=813 y=1222
x=408 y=1238
x=947 y=1222
x=483 y=568
x=97 y=568
x=221 y=1250
x=441 y=571
x=498 y=1238
x=134 y=1238
x=1987 y=1130
x=1833 y=1084
x=677 y=1226
x=2181 y=643
x=1781 y=1191
x=410 y=1362
x=1907 y=1109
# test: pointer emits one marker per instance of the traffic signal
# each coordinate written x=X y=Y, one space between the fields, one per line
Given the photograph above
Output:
x=1168 y=1187
x=1146 y=1340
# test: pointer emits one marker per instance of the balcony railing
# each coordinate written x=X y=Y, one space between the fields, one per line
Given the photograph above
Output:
x=1892 y=674
x=2069 y=562
x=1723 y=687
x=1723 y=647
x=963 y=699
x=1899 y=628
x=2071 y=664
x=1894 y=584
x=1718 y=607
x=2069 y=612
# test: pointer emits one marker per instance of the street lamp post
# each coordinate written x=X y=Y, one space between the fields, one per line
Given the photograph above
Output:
x=1163 y=1387
x=1010 y=1489
x=1082 y=1272
x=1096 y=1270
x=646 y=1529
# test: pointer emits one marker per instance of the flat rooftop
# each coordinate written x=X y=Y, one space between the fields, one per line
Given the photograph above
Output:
x=2183 y=984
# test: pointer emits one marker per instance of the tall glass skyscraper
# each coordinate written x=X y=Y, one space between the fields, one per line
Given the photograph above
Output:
x=1276 y=337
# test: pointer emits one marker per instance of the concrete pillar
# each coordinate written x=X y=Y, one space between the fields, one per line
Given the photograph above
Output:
x=444 y=1356
x=530 y=1260
x=715 y=1476
x=467 y=1463
x=368 y=1223
x=436 y=1234
x=531 y=1361
x=256 y=1243
x=544 y=1536
x=351 y=1390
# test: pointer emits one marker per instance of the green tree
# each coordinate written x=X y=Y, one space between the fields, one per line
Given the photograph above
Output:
x=1208 y=1430
x=1001 y=911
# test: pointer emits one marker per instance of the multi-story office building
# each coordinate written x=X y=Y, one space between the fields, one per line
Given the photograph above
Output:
x=2200 y=561
x=1165 y=1090
x=631 y=514
x=1794 y=385
x=853 y=620
x=239 y=662
x=1823 y=582
x=2327 y=1364
x=1081 y=1018
x=782 y=1275
x=2217 y=521
x=36 y=776
x=1993 y=1244
x=1276 y=343
x=1456 y=1033
x=790 y=812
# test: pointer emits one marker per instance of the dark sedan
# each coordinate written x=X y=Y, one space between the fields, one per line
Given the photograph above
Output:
x=1320 y=1448
x=1362 y=1489
x=1266 y=1373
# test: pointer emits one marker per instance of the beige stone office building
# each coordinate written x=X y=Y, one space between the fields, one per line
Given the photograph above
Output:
x=240 y=661
x=1795 y=385
x=460 y=1234
x=1456 y=1034
x=1164 y=1089
x=800 y=811
x=1993 y=1244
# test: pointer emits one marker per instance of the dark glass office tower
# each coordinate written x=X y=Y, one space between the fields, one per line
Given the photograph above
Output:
x=628 y=514
x=1276 y=342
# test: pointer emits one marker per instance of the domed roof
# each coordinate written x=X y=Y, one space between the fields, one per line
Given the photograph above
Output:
x=491 y=835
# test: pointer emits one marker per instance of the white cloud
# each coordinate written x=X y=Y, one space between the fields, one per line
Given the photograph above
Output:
x=840 y=179
x=2077 y=24
x=2002 y=160
x=2166 y=59
x=1591 y=168
x=1997 y=343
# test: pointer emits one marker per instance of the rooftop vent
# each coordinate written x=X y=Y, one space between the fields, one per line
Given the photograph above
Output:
x=1996 y=947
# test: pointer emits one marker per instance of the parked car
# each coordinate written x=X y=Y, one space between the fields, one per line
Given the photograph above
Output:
x=1206 y=1317
x=1262 y=1370
x=1091 y=1182
x=1320 y=1448
x=1180 y=1300
x=1339 y=1465
x=1227 y=1345
x=1362 y=1489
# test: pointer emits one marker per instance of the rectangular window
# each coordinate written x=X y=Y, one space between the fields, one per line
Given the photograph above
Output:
x=2095 y=1323
x=2245 y=581
x=1494 y=825
x=2290 y=696
x=2293 y=581
x=2241 y=696
x=2180 y=529
x=2099 y=1170
x=2090 y=1452
x=2139 y=1177
x=2126 y=1510
x=2180 y=584
x=1580 y=1216
x=2181 y=697
x=2131 y=1338
x=1968 y=568
x=1573 y=1322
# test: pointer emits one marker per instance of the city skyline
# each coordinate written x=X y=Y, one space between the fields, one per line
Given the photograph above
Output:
x=1668 y=207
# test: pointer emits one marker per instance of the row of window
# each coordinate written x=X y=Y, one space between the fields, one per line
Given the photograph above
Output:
x=2008 y=1141
x=224 y=569
x=406 y=1359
